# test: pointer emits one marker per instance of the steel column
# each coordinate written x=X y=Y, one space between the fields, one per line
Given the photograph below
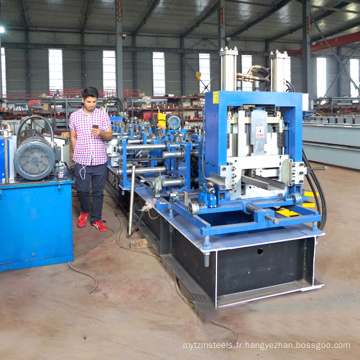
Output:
x=83 y=63
x=339 y=71
x=27 y=63
x=221 y=24
x=0 y=71
x=221 y=28
x=306 y=56
x=0 y=62
x=119 y=51
x=182 y=65
x=84 y=20
x=27 y=57
x=135 y=68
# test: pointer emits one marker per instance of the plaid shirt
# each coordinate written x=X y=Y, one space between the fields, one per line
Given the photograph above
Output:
x=89 y=149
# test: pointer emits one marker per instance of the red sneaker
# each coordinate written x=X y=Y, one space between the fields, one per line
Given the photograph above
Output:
x=99 y=225
x=82 y=219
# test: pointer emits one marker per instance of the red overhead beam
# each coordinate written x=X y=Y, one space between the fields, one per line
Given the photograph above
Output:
x=334 y=42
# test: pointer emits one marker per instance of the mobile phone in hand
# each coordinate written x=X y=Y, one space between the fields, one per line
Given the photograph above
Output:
x=95 y=126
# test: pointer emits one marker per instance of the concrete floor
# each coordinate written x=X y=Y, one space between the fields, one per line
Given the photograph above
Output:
x=136 y=313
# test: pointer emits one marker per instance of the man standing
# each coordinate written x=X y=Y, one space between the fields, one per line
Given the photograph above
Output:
x=89 y=128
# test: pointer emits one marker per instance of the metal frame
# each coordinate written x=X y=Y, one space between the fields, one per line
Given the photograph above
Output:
x=216 y=110
x=260 y=18
x=316 y=18
x=206 y=13
x=306 y=56
x=86 y=14
x=152 y=7
x=119 y=50
x=337 y=31
x=241 y=268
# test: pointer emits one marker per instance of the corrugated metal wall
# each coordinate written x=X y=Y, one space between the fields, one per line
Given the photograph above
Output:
x=345 y=82
x=128 y=70
x=39 y=70
x=145 y=78
x=15 y=71
x=296 y=71
x=38 y=58
x=94 y=68
x=191 y=67
x=331 y=72
x=215 y=72
x=72 y=69
x=173 y=73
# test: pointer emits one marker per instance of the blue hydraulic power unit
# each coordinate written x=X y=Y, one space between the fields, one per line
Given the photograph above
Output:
x=35 y=201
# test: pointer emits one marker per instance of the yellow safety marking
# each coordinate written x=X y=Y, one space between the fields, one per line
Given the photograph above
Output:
x=287 y=213
x=310 y=193
x=215 y=97
x=308 y=204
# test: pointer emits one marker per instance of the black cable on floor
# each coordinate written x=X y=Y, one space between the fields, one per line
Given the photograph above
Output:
x=308 y=178
x=323 y=209
x=117 y=237
x=227 y=328
x=191 y=304
x=87 y=250
x=83 y=273
x=140 y=252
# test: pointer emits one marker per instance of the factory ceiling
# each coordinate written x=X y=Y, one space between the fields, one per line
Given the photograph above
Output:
x=257 y=20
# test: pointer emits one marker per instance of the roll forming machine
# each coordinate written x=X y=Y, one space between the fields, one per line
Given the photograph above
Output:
x=224 y=208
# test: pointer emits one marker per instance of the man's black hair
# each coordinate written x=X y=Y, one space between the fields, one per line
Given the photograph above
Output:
x=90 y=92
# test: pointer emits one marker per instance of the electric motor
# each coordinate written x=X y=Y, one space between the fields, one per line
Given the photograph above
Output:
x=34 y=159
x=173 y=122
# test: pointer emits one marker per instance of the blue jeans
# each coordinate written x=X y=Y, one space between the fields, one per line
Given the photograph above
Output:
x=96 y=176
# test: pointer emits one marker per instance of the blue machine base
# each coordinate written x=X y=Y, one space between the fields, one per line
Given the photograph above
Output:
x=36 y=224
x=240 y=268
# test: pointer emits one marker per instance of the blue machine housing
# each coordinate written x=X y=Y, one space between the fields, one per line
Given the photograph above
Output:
x=214 y=216
x=36 y=224
x=290 y=105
